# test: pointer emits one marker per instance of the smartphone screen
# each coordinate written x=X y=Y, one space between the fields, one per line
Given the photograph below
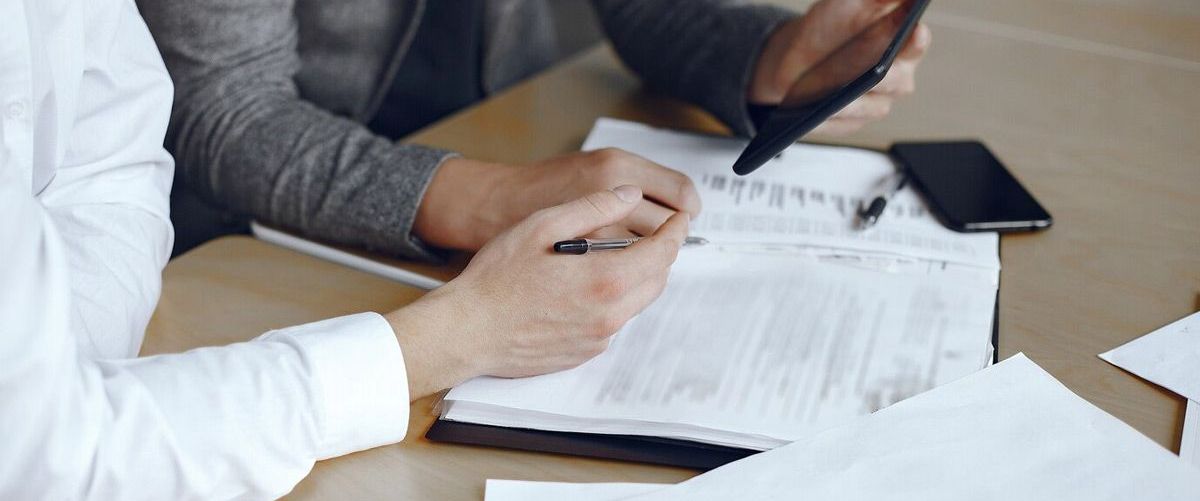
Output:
x=969 y=188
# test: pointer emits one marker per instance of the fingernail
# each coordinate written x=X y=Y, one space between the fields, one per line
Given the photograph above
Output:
x=628 y=193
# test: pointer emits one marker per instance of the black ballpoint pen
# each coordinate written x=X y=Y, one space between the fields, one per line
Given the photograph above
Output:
x=869 y=215
x=586 y=245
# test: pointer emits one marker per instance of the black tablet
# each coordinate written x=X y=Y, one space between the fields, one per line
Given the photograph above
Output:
x=846 y=74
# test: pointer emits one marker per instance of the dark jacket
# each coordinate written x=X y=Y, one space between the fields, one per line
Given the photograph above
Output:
x=271 y=95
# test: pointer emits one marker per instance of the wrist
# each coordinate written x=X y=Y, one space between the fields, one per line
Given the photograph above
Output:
x=433 y=359
x=459 y=209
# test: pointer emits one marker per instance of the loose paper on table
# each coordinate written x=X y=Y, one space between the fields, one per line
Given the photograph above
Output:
x=1008 y=432
x=1169 y=357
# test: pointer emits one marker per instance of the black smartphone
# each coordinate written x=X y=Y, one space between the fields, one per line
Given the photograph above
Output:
x=968 y=188
x=832 y=84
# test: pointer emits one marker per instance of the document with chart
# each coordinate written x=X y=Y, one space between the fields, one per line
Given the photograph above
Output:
x=788 y=322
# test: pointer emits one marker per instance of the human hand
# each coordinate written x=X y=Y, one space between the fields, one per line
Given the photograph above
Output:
x=521 y=310
x=469 y=202
x=800 y=45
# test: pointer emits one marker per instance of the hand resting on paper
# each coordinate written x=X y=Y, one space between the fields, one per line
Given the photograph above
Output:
x=521 y=310
x=799 y=46
x=469 y=201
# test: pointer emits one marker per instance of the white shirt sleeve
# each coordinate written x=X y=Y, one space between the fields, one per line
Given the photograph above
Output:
x=109 y=194
x=244 y=421
x=83 y=238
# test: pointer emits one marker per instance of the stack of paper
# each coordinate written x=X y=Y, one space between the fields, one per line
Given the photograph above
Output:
x=790 y=322
x=1009 y=432
x=1170 y=357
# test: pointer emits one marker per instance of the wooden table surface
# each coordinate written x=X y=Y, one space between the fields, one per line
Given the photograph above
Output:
x=1092 y=103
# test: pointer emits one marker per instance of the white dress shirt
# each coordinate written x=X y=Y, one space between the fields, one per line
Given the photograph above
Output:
x=84 y=234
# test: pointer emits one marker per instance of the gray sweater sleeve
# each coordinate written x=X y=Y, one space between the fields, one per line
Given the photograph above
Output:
x=703 y=51
x=245 y=138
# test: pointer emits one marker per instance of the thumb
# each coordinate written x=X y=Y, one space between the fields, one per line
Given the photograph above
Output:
x=592 y=212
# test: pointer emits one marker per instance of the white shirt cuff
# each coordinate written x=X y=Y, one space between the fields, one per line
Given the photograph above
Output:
x=359 y=372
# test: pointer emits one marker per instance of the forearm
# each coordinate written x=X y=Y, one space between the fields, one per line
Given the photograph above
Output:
x=245 y=138
x=283 y=161
x=703 y=51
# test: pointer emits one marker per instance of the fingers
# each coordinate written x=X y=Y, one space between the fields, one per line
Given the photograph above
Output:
x=627 y=281
x=876 y=104
x=840 y=127
x=900 y=80
x=668 y=187
x=917 y=45
x=616 y=231
x=658 y=251
x=590 y=213
x=838 y=21
x=870 y=107
x=651 y=262
x=647 y=217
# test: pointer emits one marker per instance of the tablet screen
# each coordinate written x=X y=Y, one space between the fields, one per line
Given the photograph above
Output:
x=832 y=84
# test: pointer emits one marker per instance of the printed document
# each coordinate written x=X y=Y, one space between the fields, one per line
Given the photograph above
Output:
x=755 y=351
x=786 y=324
x=808 y=196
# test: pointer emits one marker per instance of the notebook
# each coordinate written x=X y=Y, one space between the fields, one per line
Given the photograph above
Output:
x=790 y=321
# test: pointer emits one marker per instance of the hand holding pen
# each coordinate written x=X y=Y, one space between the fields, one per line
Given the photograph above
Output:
x=519 y=310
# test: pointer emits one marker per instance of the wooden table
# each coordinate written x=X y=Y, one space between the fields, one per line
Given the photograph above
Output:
x=1093 y=105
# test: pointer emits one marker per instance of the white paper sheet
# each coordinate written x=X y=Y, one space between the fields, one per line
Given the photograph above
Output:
x=321 y=251
x=756 y=351
x=1169 y=357
x=517 y=490
x=1008 y=432
x=807 y=196
x=1189 y=445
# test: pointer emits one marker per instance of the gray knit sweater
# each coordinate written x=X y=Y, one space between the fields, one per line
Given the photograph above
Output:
x=272 y=95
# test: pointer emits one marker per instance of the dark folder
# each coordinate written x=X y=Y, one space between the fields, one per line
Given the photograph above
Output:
x=640 y=449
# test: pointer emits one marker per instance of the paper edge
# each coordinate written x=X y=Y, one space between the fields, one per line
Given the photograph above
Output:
x=1189 y=441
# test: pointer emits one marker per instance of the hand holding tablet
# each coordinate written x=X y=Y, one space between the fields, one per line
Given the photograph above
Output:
x=830 y=85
